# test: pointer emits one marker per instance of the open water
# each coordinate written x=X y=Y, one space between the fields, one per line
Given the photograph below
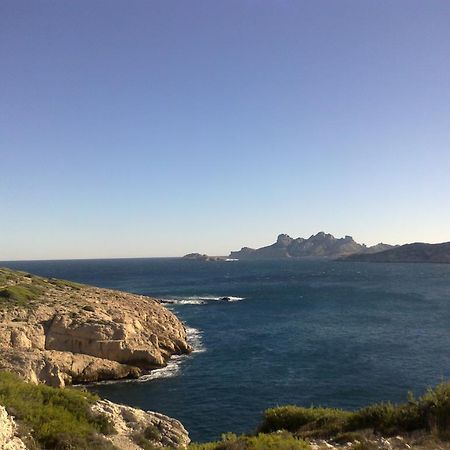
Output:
x=295 y=332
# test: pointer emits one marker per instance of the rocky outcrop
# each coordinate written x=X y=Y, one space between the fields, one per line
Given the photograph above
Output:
x=132 y=426
x=320 y=245
x=8 y=438
x=59 y=332
x=203 y=257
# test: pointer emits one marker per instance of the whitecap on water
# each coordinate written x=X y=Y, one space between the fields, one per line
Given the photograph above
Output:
x=171 y=370
x=194 y=338
x=199 y=300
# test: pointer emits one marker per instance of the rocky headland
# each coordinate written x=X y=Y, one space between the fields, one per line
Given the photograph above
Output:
x=320 y=245
x=56 y=333
x=59 y=333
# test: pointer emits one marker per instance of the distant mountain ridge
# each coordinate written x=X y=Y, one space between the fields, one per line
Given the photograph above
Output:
x=320 y=245
x=410 y=253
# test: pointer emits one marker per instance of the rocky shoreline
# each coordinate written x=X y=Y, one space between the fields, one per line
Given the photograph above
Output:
x=60 y=333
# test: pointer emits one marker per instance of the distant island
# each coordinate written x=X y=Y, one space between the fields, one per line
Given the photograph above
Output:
x=320 y=245
x=325 y=246
x=203 y=257
x=410 y=253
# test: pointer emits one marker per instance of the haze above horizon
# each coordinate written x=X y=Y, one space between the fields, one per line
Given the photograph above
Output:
x=162 y=128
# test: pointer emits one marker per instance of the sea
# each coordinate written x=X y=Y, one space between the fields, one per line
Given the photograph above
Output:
x=313 y=332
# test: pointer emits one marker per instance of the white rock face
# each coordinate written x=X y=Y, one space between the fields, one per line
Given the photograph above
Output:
x=8 y=440
x=165 y=431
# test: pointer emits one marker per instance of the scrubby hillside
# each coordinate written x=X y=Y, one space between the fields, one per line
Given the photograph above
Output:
x=51 y=418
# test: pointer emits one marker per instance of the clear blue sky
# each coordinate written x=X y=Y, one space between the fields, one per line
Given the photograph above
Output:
x=156 y=128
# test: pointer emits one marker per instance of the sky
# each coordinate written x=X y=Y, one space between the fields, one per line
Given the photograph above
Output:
x=158 y=128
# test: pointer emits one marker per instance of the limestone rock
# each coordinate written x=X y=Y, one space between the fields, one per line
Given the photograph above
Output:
x=70 y=333
x=160 y=430
x=8 y=439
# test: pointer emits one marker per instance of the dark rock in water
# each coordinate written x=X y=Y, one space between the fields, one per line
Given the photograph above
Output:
x=225 y=299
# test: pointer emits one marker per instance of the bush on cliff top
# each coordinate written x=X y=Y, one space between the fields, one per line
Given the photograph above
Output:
x=56 y=418
x=275 y=441
x=431 y=413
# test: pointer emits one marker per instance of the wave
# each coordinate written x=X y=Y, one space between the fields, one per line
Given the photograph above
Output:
x=195 y=340
x=199 y=300
x=171 y=370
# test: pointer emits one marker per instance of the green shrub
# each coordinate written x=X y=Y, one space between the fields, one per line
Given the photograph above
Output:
x=294 y=418
x=147 y=437
x=152 y=432
x=388 y=419
x=431 y=412
x=275 y=441
x=435 y=407
x=140 y=440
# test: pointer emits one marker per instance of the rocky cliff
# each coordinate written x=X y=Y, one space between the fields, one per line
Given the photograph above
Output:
x=59 y=332
x=320 y=245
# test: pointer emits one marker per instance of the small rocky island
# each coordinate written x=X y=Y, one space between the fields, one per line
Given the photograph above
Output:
x=203 y=257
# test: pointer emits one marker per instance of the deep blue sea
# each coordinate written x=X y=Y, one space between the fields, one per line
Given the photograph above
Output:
x=298 y=332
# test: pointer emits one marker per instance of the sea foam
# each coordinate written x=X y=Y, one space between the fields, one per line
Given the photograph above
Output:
x=195 y=340
x=199 y=300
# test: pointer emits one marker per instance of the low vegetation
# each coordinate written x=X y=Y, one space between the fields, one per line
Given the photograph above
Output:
x=20 y=289
x=54 y=418
x=291 y=427
x=146 y=438
x=430 y=413
x=274 y=441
